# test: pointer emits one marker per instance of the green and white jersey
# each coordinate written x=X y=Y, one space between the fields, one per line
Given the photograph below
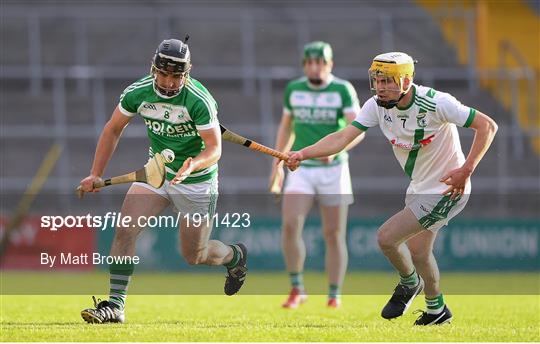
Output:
x=318 y=112
x=423 y=135
x=174 y=123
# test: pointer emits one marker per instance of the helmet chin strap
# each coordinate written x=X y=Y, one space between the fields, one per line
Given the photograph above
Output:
x=165 y=93
x=388 y=104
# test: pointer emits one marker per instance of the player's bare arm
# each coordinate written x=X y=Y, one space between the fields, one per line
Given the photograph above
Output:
x=209 y=156
x=330 y=144
x=485 y=129
x=350 y=117
x=105 y=148
x=284 y=142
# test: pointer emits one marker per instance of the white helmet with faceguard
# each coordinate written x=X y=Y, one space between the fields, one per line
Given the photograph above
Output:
x=391 y=67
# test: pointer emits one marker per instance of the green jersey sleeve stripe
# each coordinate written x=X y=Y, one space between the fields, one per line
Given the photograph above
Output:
x=419 y=101
x=424 y=107
x=140 y=81
x=425 y=101
x=131 y=88
x=470 y=119
x=211 y=110
x=128 y=90
x=135 y=84
x=124 y=111
x=148 y=77
x=431 y=102
x=196 y=92
x=207 y=101
x=200 y=92
x=359 y=126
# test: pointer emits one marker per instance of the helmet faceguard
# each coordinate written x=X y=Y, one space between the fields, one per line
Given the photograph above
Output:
x=391 y=68
x=172 y=57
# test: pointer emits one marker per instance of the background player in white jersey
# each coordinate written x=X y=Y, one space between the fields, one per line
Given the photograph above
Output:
x=315 y=105
x=180 y=115
x=420 y=123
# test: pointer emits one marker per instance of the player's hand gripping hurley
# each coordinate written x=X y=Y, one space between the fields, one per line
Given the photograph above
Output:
x=153 y=173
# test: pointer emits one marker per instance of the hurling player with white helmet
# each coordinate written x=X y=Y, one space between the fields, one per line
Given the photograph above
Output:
x=421 y=125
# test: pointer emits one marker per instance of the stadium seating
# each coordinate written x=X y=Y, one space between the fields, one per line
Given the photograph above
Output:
x=221 y=53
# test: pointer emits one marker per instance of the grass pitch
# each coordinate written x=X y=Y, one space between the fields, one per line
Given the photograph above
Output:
x=260 y=318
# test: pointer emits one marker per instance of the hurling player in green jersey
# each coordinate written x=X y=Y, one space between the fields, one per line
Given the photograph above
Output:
x=315 y=105
x=421 y=125
x=181 y=116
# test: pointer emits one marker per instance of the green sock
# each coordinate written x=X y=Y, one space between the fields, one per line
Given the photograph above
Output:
x=119 y=280
x=297 y=279
x=410 y=281
x=435 y=305
x=235 y=259
x=334 y=291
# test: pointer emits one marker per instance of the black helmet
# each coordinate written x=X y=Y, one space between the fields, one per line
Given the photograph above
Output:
x=172 y=56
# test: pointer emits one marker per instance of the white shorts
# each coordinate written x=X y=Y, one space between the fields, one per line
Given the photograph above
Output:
x=331 y=184
x=435 y=211
x=189 y=199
